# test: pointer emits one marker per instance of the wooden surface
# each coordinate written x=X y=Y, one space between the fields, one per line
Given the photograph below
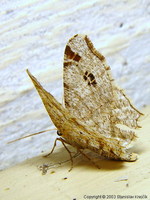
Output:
x=25 y=181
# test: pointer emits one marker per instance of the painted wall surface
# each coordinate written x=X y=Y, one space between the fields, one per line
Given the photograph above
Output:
x=33 y=35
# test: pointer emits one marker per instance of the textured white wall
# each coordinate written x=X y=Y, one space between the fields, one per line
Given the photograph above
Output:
x=33 y=34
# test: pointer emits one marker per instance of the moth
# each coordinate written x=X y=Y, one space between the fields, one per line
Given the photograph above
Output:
x=94 y=106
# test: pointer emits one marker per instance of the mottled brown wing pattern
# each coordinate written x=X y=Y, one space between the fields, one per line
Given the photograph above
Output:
x=94 y=105
x=76 y=133
x=91 y=95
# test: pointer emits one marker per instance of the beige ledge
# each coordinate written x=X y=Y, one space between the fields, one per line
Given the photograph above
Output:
x=26 y=182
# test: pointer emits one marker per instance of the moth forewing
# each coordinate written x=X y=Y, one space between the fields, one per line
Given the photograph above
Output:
x=91 y=95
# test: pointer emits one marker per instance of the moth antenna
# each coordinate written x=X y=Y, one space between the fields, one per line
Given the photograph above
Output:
x=32 y=135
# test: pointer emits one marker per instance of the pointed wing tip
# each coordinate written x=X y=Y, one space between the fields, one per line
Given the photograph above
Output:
x=30 y=75
x=28 y=72
x=34 y=80
x=37 y=85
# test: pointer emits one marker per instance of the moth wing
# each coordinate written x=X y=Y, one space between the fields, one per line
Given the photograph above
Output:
x=90 y=93
x=76 y=133
x=55 y=110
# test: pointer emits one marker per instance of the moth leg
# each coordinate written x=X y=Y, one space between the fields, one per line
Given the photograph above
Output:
x=52 y=148
x=71 y=158
x=89 y=159
x=63 y=142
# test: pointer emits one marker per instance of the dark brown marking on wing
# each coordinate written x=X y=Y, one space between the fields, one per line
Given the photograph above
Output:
x=86 y=73
x=90 y=78
x=77 y=57
x=93 y=50
x=67 y=104
x=75 y=35
x=85 y=77
x=66 y=86
x=66 y=64
x=107 y=68
x=93 y=82
x=69 y=53
x=72 y=55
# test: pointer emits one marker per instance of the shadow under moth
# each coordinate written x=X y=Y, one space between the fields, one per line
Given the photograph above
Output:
x=94 y=105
